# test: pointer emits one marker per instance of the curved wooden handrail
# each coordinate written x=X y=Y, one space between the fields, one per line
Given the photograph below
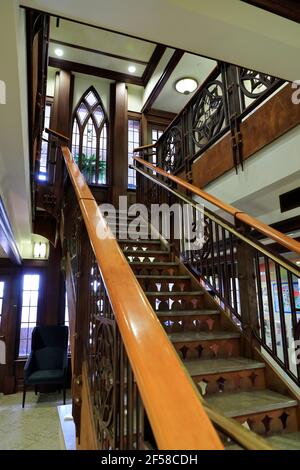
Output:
x=252 y=222
x=172 y=402
x=57 y=135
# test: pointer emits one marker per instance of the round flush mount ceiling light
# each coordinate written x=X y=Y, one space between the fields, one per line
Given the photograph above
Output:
x=131 y=69
x=59 y=52
x=186 y=85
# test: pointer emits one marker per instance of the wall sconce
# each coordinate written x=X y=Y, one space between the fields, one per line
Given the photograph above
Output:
x=40 y=250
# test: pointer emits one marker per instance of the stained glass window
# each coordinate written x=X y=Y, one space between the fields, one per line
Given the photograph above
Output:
x=90 y=138
x=133 y=142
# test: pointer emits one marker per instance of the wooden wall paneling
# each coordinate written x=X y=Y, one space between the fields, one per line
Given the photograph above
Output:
x=88 y=436
x=269 y=122
x=120 y=142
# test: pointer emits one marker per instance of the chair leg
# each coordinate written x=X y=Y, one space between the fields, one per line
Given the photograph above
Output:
x=24 y=396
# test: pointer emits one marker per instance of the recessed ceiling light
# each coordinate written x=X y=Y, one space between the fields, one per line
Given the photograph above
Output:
x=186 y=85
x=131 y=69
x=59 y=52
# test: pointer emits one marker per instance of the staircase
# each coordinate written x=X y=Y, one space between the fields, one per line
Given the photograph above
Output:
x=211 y=346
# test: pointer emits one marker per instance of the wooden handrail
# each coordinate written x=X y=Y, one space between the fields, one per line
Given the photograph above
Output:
x=144 y=147
x=57 y=135
x=252 y=222
x=173 y=405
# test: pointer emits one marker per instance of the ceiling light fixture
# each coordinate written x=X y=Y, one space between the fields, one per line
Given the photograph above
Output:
x=186 y=85
x=59 y=52
x=131 y=69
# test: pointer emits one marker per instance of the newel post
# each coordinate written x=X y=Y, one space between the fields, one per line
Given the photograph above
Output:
x=247 y=288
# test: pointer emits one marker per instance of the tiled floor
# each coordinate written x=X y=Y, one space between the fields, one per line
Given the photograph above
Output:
x=36 y=427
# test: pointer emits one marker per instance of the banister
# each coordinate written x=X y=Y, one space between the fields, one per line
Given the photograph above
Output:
x=144 y=147
x=58 y=135
x=252 y=222
x=173 y=405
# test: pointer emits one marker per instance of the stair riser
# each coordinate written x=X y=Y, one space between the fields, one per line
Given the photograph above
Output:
x=208 y=349
x=148 y=259
x=165 y=286
x=275 y=426
x=190 y=323
x=151 y=270
x=176 y=302
x=150 y=245
x=210 y=384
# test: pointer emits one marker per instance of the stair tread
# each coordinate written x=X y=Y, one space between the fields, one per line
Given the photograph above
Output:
x=156 y=263
x=157 y=242
x=288 y=441
x=219 y=366
x=233 y=404
x=162 y=276
x=201 y=336
x=187 y=313
x=170 y=293
x=146 y=252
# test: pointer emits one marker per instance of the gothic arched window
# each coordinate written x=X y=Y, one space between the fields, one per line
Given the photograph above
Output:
x=90 y=137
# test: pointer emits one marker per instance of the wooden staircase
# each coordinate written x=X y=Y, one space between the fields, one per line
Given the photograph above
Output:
x=211 y=346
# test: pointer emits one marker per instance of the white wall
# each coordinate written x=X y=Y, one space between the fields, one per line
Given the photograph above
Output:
x=274 y=170
x=51 y=81
x=83 y=82
x=14 y=151
x=135 y=98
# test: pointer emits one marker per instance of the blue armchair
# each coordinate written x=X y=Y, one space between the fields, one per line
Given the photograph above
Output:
x=48 y=360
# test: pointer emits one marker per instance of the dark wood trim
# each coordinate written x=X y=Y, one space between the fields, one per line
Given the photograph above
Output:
x=153 y=63
x=84 y=23
x=7 y=239
x=95 y=71
x=171 y=65
x=157 y=113
x=289 y=225
x=134 y=115
x=97 y=51
x=289 y=9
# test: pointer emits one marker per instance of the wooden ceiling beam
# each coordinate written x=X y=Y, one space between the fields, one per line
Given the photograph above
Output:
x=289 y=9
x=153 y=63
x=170 y=67
x=95 y=71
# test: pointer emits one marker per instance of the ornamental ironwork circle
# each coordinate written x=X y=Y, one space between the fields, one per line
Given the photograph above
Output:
x=253 y=84
x=208 y=113
x=172 y=150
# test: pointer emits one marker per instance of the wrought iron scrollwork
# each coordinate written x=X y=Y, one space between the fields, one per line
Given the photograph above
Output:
x=208 y=113
x=200 y=244
x=254 y=84
x=172 y=150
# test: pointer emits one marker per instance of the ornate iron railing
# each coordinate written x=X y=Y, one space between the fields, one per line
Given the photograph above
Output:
x=219 y=106
x=259 y=288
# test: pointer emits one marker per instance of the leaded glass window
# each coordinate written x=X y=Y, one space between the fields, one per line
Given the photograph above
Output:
x=90 y=137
